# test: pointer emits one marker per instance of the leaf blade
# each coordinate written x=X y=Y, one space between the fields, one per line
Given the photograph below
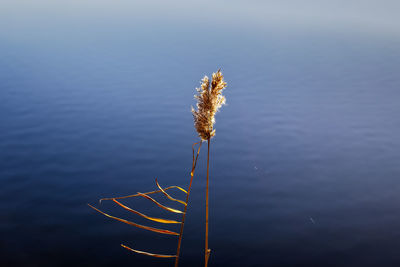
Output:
x=160 y=220
x=147 y=193
x=160 y=205
x=148 y=253
x=168 y=196
x=156 y=230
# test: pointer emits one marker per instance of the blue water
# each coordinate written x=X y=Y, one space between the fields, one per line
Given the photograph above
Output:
x=95 y=101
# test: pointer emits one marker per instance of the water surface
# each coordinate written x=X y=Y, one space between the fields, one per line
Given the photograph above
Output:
x=95 y=101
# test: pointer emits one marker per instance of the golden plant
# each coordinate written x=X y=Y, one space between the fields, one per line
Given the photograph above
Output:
x=209 y=100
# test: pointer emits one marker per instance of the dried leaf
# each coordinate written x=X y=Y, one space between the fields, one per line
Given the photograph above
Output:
x=145 y=216
x=161 y=231
x=148 y=254
x=160 y=205
x=147 y=193
x=168 y=196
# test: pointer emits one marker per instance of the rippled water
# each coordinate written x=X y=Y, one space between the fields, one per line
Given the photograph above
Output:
x=95 y=102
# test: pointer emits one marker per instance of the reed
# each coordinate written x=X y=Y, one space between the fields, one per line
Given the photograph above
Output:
x=209 y=101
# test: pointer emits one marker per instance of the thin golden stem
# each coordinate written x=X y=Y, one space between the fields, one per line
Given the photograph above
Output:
x=207 y=250
x=187 y=200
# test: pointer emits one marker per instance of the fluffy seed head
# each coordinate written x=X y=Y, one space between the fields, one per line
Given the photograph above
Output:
x=209 y=100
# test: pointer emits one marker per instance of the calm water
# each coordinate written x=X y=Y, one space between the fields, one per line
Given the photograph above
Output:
x=95 y=101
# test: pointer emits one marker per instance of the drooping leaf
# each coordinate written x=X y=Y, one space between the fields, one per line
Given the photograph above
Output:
x=160 y=231
x=160 y=205
x=148 y=254
x=147 y=193
x=168 y=196
x=145 y=216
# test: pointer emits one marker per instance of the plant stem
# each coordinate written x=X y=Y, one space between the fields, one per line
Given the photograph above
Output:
x=187 y=200
x=207 y=250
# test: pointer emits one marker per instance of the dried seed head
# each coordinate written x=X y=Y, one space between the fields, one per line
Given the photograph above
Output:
x=209 y=100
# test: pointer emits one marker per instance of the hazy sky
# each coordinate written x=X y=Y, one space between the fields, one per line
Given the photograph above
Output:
x=370 y=16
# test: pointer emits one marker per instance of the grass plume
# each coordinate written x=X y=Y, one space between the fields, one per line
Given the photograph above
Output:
x=209 y=100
